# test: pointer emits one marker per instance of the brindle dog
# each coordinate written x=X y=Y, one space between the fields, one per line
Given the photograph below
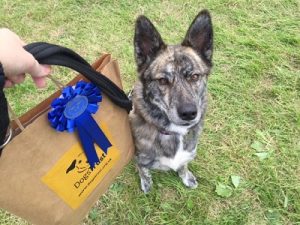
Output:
x=170 y=97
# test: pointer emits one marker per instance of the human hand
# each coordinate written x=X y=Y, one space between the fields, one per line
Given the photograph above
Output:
x=16 y=61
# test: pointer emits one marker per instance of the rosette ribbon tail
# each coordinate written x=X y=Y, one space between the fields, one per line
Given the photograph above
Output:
x=90 y=133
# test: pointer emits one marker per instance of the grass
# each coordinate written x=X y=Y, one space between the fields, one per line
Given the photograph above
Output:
x=254 y=98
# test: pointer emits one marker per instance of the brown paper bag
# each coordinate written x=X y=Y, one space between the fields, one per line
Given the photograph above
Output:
x=34 y=166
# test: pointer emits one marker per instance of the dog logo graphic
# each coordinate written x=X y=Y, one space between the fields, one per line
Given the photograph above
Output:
x=80 y=164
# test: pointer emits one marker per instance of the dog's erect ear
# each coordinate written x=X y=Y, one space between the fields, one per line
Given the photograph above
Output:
x=200 y=36
x=147 y=42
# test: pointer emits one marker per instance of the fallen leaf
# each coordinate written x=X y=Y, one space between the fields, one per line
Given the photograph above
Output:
x=223 y=190
x=258 y=146
x=235 y=180
x=273 y=216
x=262 y=155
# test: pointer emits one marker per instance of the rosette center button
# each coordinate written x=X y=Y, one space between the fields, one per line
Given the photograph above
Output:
x=76 y=107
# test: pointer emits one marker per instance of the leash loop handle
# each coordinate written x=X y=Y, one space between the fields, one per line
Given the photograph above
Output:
x=51 y=54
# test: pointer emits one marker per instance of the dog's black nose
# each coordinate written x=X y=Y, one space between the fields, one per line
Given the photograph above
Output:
x=187 y=111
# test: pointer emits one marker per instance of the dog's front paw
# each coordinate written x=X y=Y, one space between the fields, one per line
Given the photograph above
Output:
x=189 y=180
x=146 y=185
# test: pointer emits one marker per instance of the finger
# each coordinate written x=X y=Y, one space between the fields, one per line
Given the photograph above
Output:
x=40 y=82
x=8 y=84
x=47 y=68
x=17 y=79
x=35 y=69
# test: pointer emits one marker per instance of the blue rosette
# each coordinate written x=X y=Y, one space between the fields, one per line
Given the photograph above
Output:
x=73 y=111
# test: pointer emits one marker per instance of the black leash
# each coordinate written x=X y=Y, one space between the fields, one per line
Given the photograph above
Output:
x=4 y=118
x=51 y=54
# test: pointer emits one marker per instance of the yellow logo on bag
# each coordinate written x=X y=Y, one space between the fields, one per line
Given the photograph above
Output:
x=72 y=179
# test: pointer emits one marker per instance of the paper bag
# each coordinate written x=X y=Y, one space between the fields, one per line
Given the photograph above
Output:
x=44 y=176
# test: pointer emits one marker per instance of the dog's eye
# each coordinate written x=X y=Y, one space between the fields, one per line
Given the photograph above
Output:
x=163 y=81
x=194 y=77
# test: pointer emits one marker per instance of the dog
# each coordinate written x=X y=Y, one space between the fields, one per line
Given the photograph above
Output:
x=170 y=98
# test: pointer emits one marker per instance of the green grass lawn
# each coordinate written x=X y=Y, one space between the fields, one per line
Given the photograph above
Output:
x=252 y=127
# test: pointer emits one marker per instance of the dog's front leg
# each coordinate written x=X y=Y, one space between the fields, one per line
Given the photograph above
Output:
x=187 y=177
x=146 y=179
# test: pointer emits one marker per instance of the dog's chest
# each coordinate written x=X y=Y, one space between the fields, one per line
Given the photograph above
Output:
x=180 y=158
